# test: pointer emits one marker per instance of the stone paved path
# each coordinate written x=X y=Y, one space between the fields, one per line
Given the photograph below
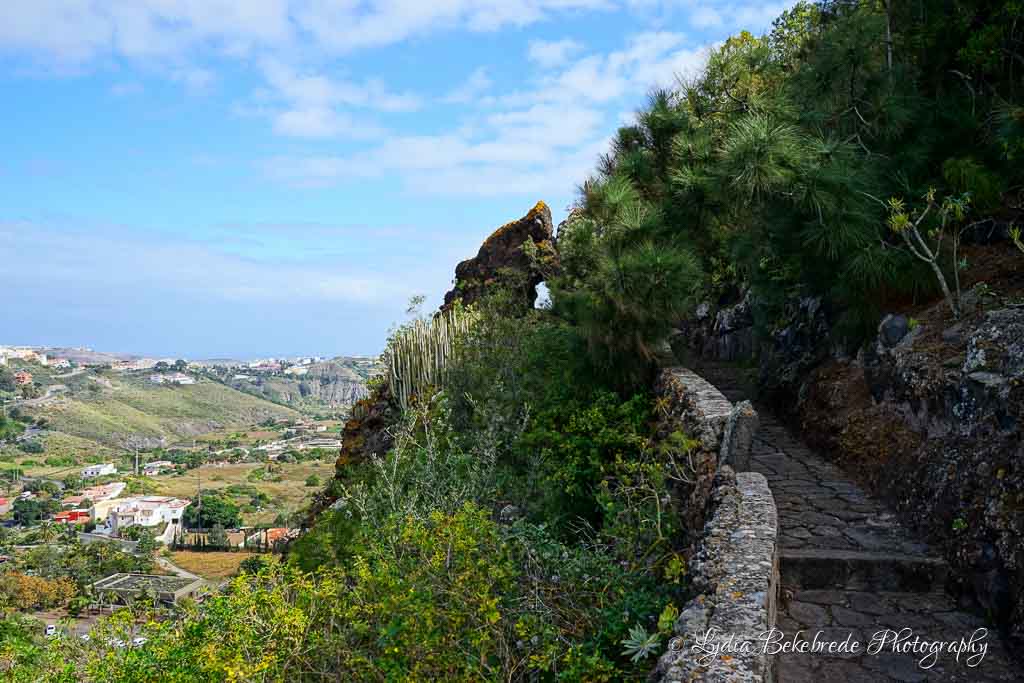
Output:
x=848 y=567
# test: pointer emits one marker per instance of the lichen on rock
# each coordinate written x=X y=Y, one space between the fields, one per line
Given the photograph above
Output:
x=509 y=255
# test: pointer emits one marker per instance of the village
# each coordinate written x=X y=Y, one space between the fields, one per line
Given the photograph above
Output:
x=162 y=521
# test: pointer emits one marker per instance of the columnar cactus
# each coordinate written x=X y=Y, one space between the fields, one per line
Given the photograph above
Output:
x=418 y=353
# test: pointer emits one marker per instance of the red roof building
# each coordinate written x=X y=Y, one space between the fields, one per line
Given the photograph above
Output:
x=72 y=517
x=22 y=378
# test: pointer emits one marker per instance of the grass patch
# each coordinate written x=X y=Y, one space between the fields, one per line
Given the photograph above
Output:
x=210 y=565
x=286 y=496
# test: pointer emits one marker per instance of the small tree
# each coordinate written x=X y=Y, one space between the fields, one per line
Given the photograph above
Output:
x=218 y=538
x=926 y=244
x=1015 y=236
x=312 y=480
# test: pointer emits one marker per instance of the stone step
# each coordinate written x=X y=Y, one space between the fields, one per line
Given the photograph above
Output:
x=858 y=570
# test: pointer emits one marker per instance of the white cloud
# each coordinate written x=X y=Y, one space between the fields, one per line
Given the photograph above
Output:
x=322 y=122
x=196 y=80
x=705 y=17
x=347 y=25
x=314 y=105
x=541 y=141
x=82 y=30
x=475 y=85
x=550 y=54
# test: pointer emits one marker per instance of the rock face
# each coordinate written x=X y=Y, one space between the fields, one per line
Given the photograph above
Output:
x=328 y=385
x=723 y=334
x=933 y=421
x=507 y=249
x=366 y=434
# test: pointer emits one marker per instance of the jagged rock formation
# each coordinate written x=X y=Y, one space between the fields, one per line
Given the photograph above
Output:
x=507 y=249
x=368 y=431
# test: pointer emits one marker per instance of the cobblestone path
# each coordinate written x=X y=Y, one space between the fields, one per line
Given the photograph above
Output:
x=849 y=567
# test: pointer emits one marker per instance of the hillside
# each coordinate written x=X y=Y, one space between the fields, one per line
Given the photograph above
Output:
x=327 y=386
x=116 y=410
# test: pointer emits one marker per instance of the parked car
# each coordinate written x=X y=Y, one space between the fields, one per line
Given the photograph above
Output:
x=51 y=630
x=139 y=642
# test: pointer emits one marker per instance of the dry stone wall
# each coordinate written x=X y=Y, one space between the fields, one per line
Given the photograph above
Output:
x=734 y=523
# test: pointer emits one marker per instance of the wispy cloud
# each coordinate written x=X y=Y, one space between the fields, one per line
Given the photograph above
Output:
x=474 y=86
x=549 y=54
x=174 y=266
x=544 y=140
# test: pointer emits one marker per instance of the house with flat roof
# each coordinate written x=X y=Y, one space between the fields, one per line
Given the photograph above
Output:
x=122 y=588
x=95 y=494
x=100 y=470
x=156 y=467
x=147 y=511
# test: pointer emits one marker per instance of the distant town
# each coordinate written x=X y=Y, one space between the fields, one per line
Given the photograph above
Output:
x=182 y=469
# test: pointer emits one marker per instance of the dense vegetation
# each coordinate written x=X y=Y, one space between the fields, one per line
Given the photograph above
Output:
x=517 y=529
x=843 y=154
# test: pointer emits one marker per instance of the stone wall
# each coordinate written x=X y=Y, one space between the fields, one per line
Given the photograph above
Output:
x=694 y=407
x=737 y=574
x=732 y=522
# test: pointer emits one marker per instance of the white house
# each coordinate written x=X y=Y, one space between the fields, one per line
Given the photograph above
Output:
x=155 y=467
x=172 y=378
x=147 y=511
x=96 y=494
x=103 y=469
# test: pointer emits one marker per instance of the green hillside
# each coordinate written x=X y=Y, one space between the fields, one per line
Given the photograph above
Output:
x=118 y=410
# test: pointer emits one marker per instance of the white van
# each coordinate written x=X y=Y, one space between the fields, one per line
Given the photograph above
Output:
x=51 y=630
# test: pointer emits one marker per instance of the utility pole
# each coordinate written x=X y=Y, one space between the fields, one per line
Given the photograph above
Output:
x=199 y=490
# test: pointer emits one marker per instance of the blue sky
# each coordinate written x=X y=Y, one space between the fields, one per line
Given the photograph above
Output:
x=246 y=178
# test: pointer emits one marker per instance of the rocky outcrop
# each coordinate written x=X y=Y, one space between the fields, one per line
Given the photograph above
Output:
x=723 y=333
x=794 y=349
x=507 y=251
x=368 y=432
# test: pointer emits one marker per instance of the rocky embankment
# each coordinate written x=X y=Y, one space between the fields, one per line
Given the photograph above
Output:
x=928 y=415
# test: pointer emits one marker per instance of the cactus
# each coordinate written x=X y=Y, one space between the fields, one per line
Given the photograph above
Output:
x=418 y=353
